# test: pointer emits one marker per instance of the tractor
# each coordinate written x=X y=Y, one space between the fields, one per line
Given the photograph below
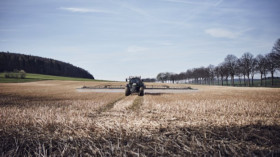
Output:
x=134 y=85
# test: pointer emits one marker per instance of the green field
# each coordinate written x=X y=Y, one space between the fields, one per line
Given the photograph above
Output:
x=39 y=77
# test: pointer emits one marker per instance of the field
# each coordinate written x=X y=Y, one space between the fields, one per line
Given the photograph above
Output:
x=51 y=118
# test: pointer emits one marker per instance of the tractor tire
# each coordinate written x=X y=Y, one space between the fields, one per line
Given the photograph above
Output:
x=141 y=91
x=127 y=91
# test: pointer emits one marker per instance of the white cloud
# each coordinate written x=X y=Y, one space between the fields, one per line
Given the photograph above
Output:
x=84 y=10
x=222 y=33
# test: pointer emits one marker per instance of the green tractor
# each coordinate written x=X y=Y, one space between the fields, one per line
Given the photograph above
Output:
x=135 y=85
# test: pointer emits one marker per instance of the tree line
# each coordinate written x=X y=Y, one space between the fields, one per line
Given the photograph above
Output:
x=232 y=69
x=33 y=64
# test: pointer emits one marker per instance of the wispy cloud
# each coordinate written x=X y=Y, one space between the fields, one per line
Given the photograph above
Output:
x=222 y=33
x=225 y=33
x=195 y=2
x=85 y=10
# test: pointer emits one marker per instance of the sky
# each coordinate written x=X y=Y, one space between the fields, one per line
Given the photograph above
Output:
x=114 y=39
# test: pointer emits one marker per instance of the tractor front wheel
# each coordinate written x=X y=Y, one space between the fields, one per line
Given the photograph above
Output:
x=127 y=91
x=141 y=91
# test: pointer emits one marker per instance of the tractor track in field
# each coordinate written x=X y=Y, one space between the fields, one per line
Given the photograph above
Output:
x=125 y=103
x=137 y=103
x=120 y=107
x=109 y=105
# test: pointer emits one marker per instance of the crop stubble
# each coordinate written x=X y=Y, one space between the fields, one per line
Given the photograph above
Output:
x=51 y=118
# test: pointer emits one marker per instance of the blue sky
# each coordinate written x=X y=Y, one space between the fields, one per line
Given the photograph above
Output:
x=114 y=39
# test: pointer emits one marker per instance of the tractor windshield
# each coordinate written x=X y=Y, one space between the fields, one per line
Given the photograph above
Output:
x=135 y=80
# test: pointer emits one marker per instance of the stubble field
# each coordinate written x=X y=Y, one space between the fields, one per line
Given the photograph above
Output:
x=52 y=118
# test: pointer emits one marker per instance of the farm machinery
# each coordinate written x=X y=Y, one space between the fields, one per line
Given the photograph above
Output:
x=134 y=85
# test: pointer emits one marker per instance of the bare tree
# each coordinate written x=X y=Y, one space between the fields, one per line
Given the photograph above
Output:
x=226 y=74
x=242 y=70
x=211 y=69
x=182 y=76
x=223 y=72
x=239 y=72
x=246 y=60
x=195 y=75
x=206 y=75
x=161 y=77
x=168 y=76
x=261 y=66
x=276 y=53
x=189 y=75
x=253 y=70
x=217 y=73
x=231 y=64
x=199 y=74
x=271 y=66
x=171 y=77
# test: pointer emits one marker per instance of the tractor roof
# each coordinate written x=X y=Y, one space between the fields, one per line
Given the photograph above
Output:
x=131 y=77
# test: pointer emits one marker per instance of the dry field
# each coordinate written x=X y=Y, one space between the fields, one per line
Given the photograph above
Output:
x=51 y=118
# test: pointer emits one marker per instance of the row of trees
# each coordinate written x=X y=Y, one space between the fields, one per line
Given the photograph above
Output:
x=242 y=69
x=39 y=65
